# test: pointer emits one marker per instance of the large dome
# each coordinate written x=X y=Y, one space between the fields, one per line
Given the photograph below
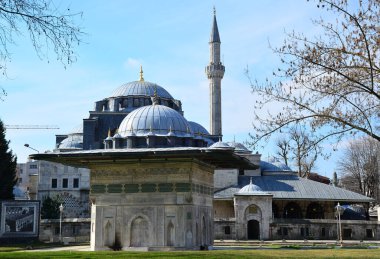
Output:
x=155 y=119
x=141 y=88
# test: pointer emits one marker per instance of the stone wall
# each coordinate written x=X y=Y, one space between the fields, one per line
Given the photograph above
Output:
x=158 y=205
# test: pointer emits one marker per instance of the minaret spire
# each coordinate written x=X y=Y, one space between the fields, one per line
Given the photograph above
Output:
x=215 y=73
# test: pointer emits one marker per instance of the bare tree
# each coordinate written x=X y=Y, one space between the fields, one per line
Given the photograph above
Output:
x=359 y=167
x=49 y=29
x=283 y=150
x=330 y=82
x=298 y=148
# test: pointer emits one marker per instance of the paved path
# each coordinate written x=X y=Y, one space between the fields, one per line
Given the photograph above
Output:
x=61 y=248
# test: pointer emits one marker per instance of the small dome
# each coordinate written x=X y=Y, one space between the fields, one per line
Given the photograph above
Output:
x=239 y=148
x=140 y=88
x=221 y=145
x=198 y=129
x=154 y=119
x=72 y=142
x=251 y=189
x=274 y=165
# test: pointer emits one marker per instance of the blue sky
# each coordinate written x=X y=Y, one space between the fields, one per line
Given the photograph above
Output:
x=170 y=40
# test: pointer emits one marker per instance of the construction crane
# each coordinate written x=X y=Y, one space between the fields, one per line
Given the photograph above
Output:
x=31 y=127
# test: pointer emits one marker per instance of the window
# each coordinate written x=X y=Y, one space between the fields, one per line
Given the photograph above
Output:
x=19 y=180
x=76 y=183
x=65 y=183
x=282 y=231
x=323 y=232
x=304 y=232
x=32 y=166
x=54 y=183
x=56 y=230
x=75 y=230
x=347 y=233
x=369 y=233
x=227 y=230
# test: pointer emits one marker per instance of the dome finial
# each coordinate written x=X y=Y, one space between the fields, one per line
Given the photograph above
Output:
x=109 y=132
x=250 y=181
x=141 y=74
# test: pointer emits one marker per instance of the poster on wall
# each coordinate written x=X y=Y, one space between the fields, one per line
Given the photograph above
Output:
x=19 y=218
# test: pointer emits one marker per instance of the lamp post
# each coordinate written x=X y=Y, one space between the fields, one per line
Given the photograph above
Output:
x=28 y=146
x=60 y=222
x=339 y=211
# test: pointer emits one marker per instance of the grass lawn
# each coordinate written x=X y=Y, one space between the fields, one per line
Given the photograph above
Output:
x=276 y=253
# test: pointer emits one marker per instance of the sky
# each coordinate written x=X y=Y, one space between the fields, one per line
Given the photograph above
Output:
x=169 y=38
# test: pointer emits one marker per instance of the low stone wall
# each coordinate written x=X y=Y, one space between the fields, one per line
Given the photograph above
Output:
x=314 y=229
x=305 y=229
x=74 y=230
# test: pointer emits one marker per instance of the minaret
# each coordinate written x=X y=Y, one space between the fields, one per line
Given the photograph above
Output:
x=215 y=72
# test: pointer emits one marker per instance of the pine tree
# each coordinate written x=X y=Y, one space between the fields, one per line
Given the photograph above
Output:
x=8 y=164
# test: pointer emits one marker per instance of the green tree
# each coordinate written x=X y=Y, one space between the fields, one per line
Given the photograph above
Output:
x=50 y=208
x=48 y=26
x=8 y=163
x=329 y=82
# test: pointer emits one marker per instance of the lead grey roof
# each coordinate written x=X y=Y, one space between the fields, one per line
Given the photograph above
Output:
x=293 y=187
x=141 y=88
x=214 y=37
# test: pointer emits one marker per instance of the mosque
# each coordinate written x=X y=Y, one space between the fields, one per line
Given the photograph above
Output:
x=161 y=182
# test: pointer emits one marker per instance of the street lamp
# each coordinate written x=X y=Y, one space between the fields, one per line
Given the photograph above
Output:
x=60 y=222
x=28 y=146
x=339 y=212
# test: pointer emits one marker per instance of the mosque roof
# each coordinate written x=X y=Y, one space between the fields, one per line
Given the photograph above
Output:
x=293 y=187
x=156 y=119
x=274 y=165
x=219 y=158
x=198 y=129
x=74 y=141
x=140 y=88
x=221 y=145
x=239 y=147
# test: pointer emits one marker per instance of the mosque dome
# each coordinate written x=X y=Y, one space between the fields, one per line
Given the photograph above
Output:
x=141 y=88
x=74 y=141
x=274 y=165
x=155 y=119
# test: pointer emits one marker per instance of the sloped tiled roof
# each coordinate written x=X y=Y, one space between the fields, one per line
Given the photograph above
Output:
x=292 y=187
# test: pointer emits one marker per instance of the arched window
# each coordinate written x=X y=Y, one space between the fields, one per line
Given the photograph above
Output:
x=292 y=211
x=315 y=211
